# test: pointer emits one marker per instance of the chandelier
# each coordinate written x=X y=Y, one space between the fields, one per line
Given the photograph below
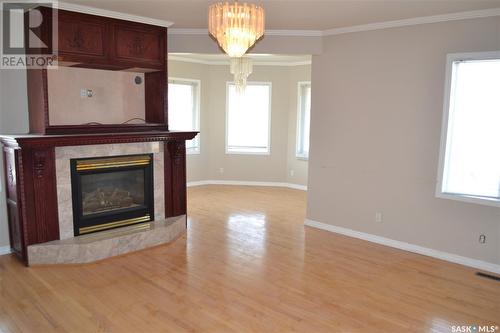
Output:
x=241 y=68
x=236 y=27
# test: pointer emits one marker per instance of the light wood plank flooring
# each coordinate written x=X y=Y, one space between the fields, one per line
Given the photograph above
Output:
x=247 y=264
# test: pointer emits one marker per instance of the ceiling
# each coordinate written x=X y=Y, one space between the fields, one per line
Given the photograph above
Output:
x=258 y=59
x=295 y=14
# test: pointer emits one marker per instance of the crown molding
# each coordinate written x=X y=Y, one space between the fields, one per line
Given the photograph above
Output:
x=283 y=33
x=415 y=21
x=183 y=31
x=294 y=33
x=226 y=62
x=111 y=14
x=290 y=33
x=364 y=27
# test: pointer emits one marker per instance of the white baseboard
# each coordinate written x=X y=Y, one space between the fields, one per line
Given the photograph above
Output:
x=198 y=183
x=4 y=250
x=246 y=183
x=479 y=264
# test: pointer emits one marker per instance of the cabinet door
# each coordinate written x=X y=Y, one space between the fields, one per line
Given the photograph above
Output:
x=139 y=45
x=15 y=228
x=11 y=163
x=81 y=37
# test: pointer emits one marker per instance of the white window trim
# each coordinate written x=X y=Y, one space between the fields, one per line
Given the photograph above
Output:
x=298 y=154
x=197 y=150
x=444 y=127
x=249 y=83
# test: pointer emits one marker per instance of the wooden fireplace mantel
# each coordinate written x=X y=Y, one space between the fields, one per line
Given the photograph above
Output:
x=31 y=187
x=35 y=140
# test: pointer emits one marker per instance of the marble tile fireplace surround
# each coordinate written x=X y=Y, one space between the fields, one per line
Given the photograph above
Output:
x=40 y=195
x=63 y=176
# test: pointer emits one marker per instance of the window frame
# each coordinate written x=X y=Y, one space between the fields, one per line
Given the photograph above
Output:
x=269 y=125
x=443 y=151
x=298 y=137
x=197 y=83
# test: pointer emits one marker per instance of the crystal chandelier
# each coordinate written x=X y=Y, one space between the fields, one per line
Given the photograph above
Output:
x=241 y=68
x=236 y=27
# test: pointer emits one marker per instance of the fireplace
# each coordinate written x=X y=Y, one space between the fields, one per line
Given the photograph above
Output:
x=111 y=192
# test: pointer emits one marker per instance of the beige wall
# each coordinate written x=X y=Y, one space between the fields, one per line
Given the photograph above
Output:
x=263 y=168
x=116 y=98
x=267 y=45
x=376 y=123
x=13 y=119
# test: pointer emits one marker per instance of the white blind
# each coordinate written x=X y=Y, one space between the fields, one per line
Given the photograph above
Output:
x=248 y=119
x=472 y=162
x=183 y=109
x=304 y=118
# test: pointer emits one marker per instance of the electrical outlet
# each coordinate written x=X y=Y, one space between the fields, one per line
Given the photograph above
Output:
x=86 y=93
x=378 y=217
x=221 y=170
x=482 y=239
x=292 y=173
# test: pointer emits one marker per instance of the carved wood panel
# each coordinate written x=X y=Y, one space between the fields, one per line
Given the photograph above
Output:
x=40 y=195
x=81 y=37
x=139 y=45
x=39 y=161
x=175 y=178
x=44 y=185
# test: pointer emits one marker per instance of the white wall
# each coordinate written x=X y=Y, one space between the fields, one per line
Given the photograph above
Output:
x=263 y=168
x=376 y=122
x=13 y=119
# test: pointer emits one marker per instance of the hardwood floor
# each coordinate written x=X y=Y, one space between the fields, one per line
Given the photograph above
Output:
x=247 y=264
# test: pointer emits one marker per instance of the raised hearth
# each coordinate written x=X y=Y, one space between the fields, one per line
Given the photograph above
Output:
x=106 y=244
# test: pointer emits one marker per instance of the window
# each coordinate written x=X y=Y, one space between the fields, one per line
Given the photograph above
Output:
x=303 y=119
x=184 y=109
x=248 y=119
x=470 y=149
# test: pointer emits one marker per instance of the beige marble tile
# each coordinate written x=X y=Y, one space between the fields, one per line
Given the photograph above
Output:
x=63 y=176
x=106 y=244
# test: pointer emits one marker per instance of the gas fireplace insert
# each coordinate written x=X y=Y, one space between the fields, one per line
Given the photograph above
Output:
x=111 y=192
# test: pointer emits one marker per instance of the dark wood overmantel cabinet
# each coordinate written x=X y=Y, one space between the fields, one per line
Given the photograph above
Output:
x=101 y=43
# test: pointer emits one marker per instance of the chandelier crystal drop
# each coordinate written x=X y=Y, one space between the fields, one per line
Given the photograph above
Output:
x=241 y=68
x=236 y=27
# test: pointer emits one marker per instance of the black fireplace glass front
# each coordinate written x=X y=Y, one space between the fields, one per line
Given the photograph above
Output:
x=111 y=192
